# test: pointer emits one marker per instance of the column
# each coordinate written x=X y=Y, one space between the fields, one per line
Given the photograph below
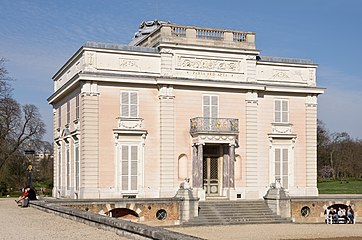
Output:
x=199 y=171
x=195 y=168
x=226 y=167
x=231 y=165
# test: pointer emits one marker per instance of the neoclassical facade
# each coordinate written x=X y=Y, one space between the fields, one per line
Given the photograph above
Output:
x=183 y=102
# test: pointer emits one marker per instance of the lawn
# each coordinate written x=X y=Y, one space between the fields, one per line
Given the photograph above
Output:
x=340 y=187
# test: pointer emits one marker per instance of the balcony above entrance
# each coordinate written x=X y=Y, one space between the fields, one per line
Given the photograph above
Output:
x=214 y=130
x=214 y=125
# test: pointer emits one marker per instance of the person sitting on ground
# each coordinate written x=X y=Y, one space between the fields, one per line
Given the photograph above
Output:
x=24 y=199
x=350 y=215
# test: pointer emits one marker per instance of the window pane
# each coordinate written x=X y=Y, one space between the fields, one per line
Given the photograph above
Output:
x=125 y=104
x=124 y=153
x=284 y=117
x=134 y=153
x=125 y=98
x=206 y=111
x=285 y=182
x=124 y=168
x=134 y=168
x=214 y=100
x=277 y=163
x=133 y=112
x=134 y=183
x=277 y=105
x=125 y=182
x=134 y=99
x=214 y=111
x=206 y=100
x=284 y=105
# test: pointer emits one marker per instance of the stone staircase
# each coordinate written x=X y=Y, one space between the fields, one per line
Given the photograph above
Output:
x=234 y=212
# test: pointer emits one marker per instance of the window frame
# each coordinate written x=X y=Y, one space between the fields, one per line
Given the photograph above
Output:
x=211 y=114
x=129 y=104
x=282 y=115
x=129 y=175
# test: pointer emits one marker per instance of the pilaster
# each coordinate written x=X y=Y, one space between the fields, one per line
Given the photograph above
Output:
x=89 y=150
x=167 y=139
x=311 y=146
x=252 y=142
x=166 y=61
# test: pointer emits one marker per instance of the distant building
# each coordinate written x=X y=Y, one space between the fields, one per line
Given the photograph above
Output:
x=183 y=102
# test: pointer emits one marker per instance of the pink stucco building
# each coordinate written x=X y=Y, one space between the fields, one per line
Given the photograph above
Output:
x=183 y=102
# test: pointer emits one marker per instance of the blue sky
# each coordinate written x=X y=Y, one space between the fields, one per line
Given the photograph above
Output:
x=38 y=37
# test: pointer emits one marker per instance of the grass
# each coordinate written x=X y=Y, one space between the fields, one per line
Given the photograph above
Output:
x=350 y=186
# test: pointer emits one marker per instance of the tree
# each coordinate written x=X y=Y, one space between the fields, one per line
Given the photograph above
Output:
x=5 y=88
x=323 y=145
x=20 y=126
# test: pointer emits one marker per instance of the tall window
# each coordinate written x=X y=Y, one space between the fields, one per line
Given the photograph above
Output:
x=68 y=112
x=129 y=167
x=129 y=104
x=210 y=106
x=77 y=165
x=59 y=167
x=77 y=107
x=59 y=117
x=68 y=166
x=281 y=111
x=281 y=158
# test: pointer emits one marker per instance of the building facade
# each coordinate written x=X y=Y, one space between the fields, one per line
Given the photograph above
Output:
x=183 y=102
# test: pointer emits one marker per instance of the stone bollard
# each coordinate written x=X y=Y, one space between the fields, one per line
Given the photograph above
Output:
x=189 y=204
x=278 y=201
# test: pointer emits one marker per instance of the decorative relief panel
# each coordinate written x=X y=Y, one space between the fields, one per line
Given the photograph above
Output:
x=208 y=64
x=128 y=64
x=294 y=75
x=281 y=128
x=130 y=123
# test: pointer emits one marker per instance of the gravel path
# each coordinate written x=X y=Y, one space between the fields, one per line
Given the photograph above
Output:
x=30 y=223
x=276 y=231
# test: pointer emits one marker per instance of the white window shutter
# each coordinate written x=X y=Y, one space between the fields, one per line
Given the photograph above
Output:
x=285 y=111
x=125 y=104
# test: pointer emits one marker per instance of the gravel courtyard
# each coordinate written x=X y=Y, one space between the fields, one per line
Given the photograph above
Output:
x=31 y=223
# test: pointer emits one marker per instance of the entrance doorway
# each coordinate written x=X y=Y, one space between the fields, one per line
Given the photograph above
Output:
x=212 y=170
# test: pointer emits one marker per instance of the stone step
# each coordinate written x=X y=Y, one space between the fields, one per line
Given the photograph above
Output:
x=234 y=212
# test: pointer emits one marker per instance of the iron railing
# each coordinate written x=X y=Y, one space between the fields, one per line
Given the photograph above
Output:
x=201 y=124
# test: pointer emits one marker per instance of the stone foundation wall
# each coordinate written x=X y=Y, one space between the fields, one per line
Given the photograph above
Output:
x=312 y=210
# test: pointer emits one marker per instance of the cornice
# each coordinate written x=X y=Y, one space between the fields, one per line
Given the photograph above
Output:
x=209 y=48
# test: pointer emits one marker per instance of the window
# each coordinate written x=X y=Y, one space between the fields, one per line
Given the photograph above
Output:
x=59 y=117
x=210 y=106
x=68 y=167
x=129 y=167
x=281 y=159
x=68 y=112
x=77 y=107
x=281 y=111
x=77 y=165
x=129 y=104
x=59 y=167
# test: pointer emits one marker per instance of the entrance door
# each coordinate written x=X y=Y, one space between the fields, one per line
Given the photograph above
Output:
x=211 y=176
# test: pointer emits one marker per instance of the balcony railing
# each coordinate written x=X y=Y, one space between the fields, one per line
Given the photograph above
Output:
x=200 y=124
